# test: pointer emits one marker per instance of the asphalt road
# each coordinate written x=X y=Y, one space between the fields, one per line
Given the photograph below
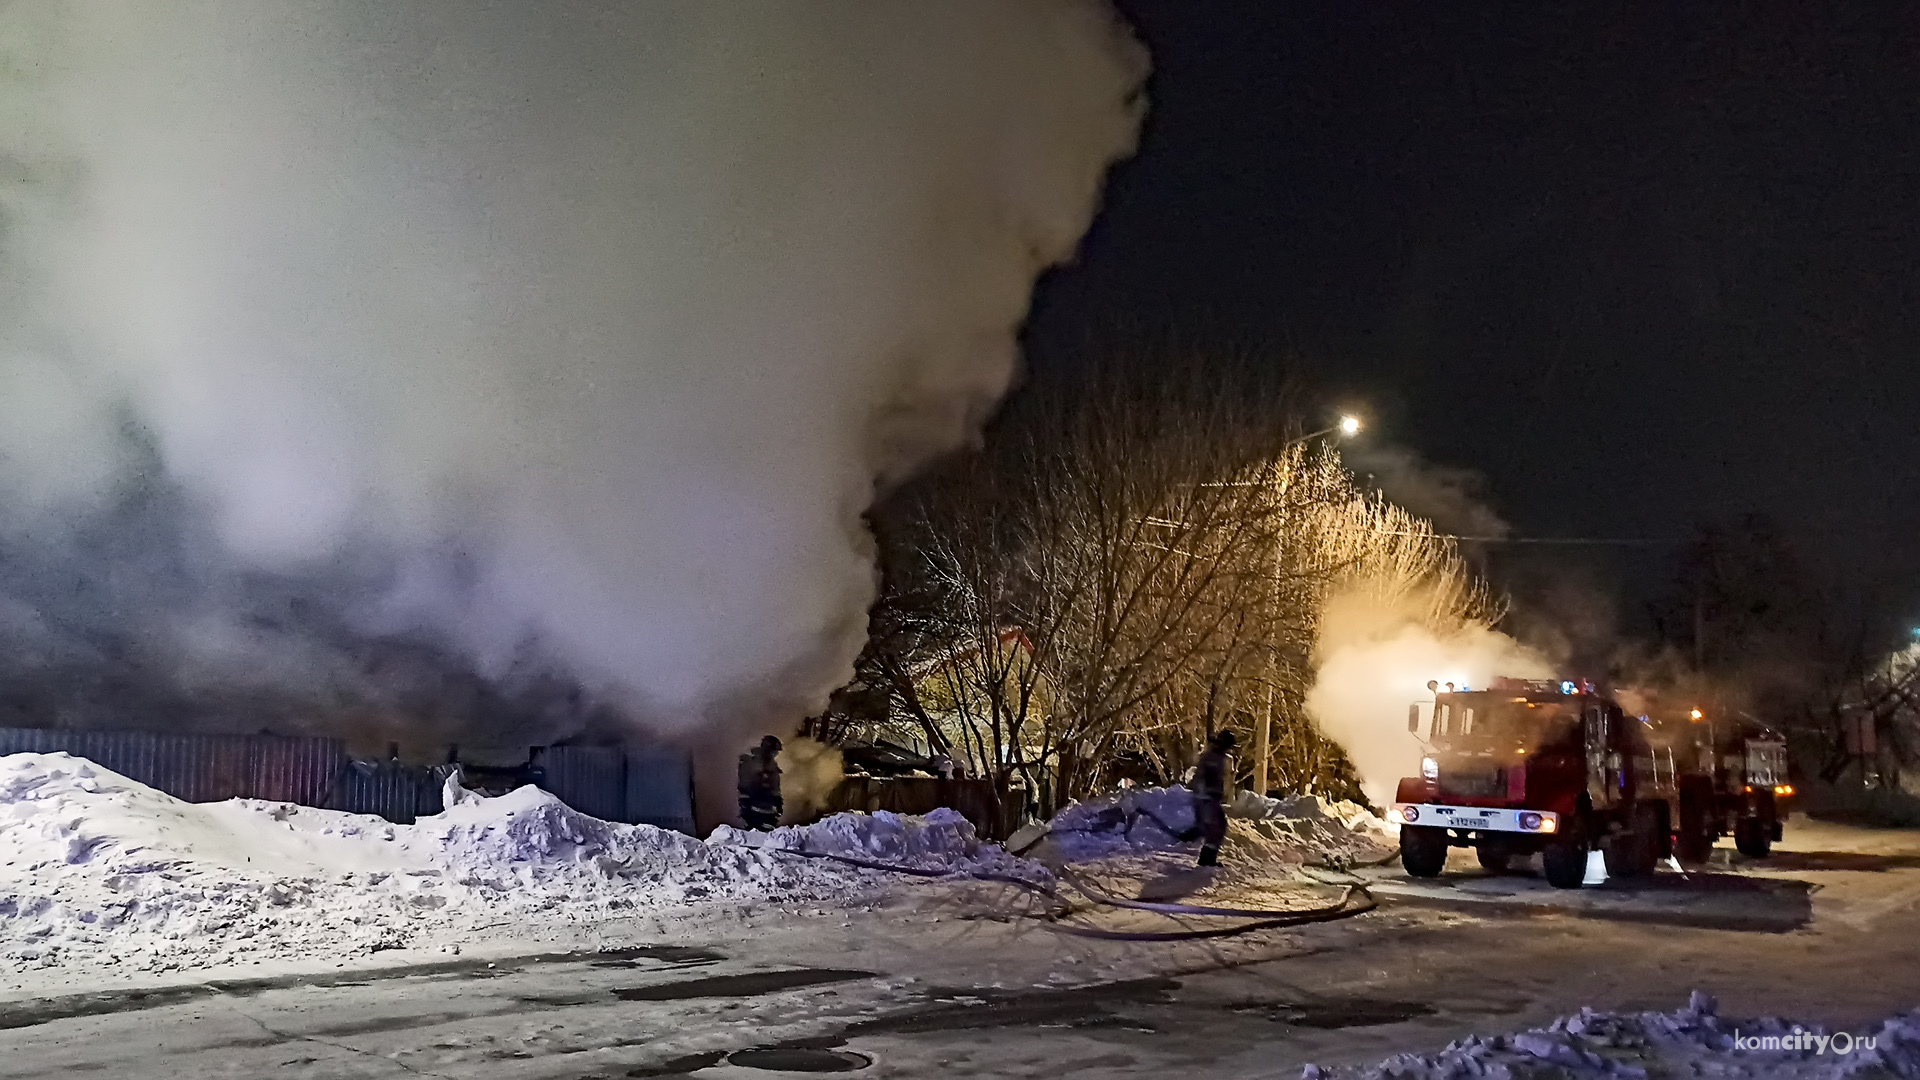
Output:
x=1828 y=931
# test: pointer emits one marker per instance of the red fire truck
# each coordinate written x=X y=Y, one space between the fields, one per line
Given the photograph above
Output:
x=1556 y=767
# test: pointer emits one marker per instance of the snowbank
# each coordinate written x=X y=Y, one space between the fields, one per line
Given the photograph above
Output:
x=1692 y=1041
x=942 y=841
x=1141 y=821
x=1330 y=830
x=99 y=869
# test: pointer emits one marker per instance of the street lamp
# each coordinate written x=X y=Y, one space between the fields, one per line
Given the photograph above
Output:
x=1349 y=425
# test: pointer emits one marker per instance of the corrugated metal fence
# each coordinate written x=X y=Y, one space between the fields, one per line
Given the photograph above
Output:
x=591 y=779
x=651 y=785
x=398 y=792
x=200 y=768
x=660 y=787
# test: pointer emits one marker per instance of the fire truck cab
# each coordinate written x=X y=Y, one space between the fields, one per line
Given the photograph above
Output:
x=1528 y=766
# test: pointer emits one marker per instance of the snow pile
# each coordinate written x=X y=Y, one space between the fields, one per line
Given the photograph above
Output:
x=1348 y=815
x=1692 y=1041
x=1139 y=821
x=1135 y=820
x=942 y=841
x=99 y=869
x=1333 y=830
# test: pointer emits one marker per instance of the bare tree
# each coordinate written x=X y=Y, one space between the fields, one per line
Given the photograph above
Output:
x=1127 y=569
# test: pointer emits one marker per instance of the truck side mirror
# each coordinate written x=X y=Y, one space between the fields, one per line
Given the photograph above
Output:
x=1413 y=718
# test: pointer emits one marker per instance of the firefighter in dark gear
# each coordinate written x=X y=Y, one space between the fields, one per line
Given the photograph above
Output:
x=1210 y=796
x=760 y=802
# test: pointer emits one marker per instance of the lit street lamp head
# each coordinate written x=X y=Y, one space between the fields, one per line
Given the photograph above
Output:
x=1349 y=425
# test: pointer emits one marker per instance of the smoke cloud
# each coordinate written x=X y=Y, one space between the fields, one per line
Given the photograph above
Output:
x=810 y=770
x=1454 y=499
x=1374 y=660
x=565 y=339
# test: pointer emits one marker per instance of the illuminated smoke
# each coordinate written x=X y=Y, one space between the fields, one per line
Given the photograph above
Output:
x=566 y=334
x=809 y=771
x=1373 y=661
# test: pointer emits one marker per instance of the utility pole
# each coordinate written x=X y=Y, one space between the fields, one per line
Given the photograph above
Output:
x=1699 y=630
x=1263 y=745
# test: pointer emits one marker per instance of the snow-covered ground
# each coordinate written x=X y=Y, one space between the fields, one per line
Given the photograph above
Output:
x=1692 y=1041
x=669 y=953
x=101 y=873
x=97 y=871
x=925 y=986
x=1140 y=845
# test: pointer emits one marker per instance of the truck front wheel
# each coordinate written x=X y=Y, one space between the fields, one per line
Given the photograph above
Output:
x=1423 y=850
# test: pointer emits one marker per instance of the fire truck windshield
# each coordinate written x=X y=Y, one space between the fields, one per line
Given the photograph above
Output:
x=1486 y=719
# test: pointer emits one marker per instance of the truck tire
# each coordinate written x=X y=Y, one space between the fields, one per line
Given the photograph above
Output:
x=1564 y=861
x=1754 y=837
x=1622 y=851
x=1494 y=859
x=1423 y=850
x=1634 y=853
x=1694 y=844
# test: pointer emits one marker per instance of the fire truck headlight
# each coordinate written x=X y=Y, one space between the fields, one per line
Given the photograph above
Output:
x=1549 y=823
x=1429 y=769
x=1403 y=815
x=1783 y=789
x=1530 y=821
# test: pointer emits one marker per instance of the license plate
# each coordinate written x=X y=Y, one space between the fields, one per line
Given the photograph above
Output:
x=1480 y=818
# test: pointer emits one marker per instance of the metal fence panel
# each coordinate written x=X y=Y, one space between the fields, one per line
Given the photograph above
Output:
x=392 y=790
x=199 y=768
x=652 y=785
x=223 y=766
x=296 y=770
x=591 y=779
x=660 y=787
x=28 y=741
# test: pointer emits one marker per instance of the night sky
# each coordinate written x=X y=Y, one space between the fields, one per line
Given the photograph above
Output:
x=1640 y=267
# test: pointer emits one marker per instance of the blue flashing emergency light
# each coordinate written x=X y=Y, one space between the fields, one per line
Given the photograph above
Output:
x=1567 y=687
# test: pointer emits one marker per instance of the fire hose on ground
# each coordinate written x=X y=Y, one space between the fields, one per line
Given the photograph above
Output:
x=1058 y=908
x=1137 y=813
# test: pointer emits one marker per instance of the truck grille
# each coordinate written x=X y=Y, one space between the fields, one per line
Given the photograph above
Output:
x=1477 y=784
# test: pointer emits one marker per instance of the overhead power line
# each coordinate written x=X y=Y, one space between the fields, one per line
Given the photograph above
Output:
x=1618 y=541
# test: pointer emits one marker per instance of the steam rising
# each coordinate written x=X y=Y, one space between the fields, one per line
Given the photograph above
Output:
x=564 y=336
x=1374 y=660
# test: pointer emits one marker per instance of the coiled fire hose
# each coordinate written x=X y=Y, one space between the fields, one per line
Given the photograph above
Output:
x=1259 y=918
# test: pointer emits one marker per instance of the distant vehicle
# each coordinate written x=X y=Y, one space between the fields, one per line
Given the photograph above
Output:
x=1733 y=782
x=1556 y=767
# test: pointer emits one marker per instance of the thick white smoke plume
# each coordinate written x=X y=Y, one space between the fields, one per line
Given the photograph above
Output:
x=1374 y=660
x=574 y=332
